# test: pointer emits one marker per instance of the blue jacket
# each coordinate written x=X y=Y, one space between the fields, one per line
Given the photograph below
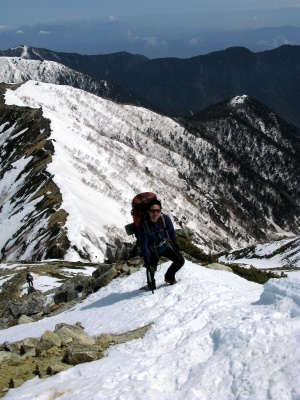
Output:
x=150 y=241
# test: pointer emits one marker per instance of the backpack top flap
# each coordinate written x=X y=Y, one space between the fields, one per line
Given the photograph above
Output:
x=139 y=205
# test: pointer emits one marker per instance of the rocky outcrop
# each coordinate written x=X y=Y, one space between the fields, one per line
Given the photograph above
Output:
x=78 y=354
x=54 y=352
x=102 y=276
x=35 y=305
x=29 y=306
x=71 y=289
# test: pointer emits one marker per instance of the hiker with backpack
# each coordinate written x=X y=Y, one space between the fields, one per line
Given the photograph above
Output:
x=157 y=238
x=29 y=279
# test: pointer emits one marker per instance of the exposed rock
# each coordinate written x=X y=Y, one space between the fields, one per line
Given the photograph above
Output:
x=53 y=353
x=51 y=337
x=104 y=340
x=13 y=347
x=185 y=232
x=14 y=383
x=25 y=320
x=121 y=251
x=7 y=356
x=42 y=348
x=77 y=354
x=31 y=305
x=48 y=340
x=135 y=261
x=131 y=335
x=50 y=308
x=3 y=323
x=102 y=276
x=73 y=334
x=218 y=266
x=70 y=290
x=63 y=307
x=28 y=344
x=56 y=368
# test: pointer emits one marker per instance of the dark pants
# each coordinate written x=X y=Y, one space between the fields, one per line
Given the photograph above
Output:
x=171 y=254
x=30 y=283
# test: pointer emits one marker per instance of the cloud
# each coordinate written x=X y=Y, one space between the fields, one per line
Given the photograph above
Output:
x=154 y=42
x=19 y=32
x=193 y=41
x=132 y=38
x=4 y=28
x=44 y=32
x=147 y=41
x=112 y=18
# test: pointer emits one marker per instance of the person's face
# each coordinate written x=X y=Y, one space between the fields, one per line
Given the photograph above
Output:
x=154 y=213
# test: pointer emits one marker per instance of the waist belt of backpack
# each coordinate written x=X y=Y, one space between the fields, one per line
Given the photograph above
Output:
x=158 y=245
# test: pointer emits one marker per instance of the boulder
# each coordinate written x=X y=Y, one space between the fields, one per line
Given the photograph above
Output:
x=56 y=368
x=31 y=305
x=42 y=347
x=73 y=334
x=71 y=289
x=77 y=354
x=29 y=344
x=115 y=253
x=52 y=338
x=104 y=340
x=13 y=347
x=25 y=320
x=104 y=274
x=3 y=323
x=62 y=307
x=6 y=356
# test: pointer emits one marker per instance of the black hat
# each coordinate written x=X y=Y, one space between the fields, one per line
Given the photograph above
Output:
x=153 y=202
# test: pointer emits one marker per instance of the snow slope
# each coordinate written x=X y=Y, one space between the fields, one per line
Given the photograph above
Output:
x=215 y=336
x=104 y=154
x=98 y=169
x=278 y=254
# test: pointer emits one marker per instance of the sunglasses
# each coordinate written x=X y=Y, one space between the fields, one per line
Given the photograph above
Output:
x=155 y=211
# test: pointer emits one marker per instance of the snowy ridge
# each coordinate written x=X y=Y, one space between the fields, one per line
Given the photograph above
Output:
x=104 y=153
x=214 y=336
x=281 y=253
x=98 y=170
x=18 y=70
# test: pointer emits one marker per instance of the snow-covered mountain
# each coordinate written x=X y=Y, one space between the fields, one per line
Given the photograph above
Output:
x=71 y=162
x=21 y=69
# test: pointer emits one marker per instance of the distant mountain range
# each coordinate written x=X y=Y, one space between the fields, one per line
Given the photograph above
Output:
x=90 y=37
x=187 y=86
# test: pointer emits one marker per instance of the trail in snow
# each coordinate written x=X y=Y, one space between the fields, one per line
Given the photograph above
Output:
x=214 y=336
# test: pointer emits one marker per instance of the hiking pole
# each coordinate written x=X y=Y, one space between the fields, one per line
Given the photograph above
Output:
x=149 y=279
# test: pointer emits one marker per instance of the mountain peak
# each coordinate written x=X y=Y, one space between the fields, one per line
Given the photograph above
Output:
x=238 y=100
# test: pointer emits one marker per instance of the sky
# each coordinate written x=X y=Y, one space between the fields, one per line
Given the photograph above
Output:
x=20 y=12
x=214 y=336
x=138 y=26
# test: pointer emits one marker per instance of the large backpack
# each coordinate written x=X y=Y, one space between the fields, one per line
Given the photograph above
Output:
x=138 y=211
